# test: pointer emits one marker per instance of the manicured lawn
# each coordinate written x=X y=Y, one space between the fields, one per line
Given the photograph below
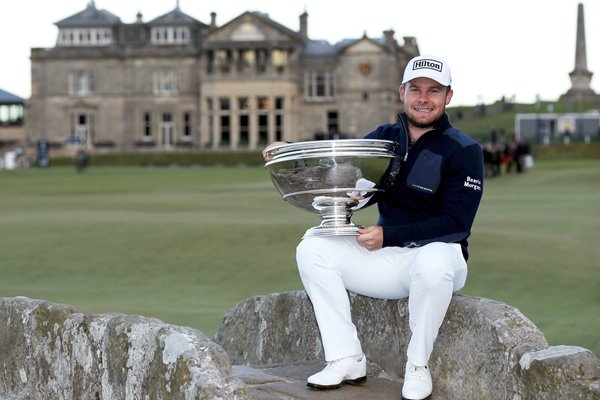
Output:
x=183 y=245
x=186 y=244
x=536 y=246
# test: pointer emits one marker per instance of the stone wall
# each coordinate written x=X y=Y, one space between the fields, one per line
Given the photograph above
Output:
x=52 y=351
x=485 y=349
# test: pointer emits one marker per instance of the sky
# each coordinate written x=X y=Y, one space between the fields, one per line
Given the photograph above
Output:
x=520 y=49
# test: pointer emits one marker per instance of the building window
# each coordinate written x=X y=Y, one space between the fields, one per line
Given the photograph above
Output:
x=244 y=129
x=279 y=113
x=279 y=104
x=211 y=120
x=319 y=85
x=279 y=59
x=263 y=128
x=223 y=60
x=147 y=125
x=85 y=37
x=170 y=35
x=262 y=103
x=81 y=83
x=244 y=120
x=249 y=57
x=246 y=59
x=224 y=104
x=243 y=104
x=165 y=83
x=225 y=120
x=11 y=115
x=187 y=126
x=332 y=124
x=263 y=106
x=225 y=129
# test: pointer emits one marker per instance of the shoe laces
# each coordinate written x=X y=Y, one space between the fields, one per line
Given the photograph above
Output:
x=418 y=372
x=335 y=364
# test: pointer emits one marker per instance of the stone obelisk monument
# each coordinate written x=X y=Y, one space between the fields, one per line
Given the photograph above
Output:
x=580 y=76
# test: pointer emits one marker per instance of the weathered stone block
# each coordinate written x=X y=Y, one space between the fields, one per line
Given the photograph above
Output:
x=561 y=372
x=477 y=354
x=278 y=328
x=52 y=351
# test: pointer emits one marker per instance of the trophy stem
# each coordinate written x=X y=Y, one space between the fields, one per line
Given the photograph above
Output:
x=336 y=217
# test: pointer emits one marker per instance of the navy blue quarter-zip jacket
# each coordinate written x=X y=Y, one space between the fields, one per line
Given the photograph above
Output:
x=437 y=191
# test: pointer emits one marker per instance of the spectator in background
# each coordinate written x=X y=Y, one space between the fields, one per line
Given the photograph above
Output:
x=82 y=160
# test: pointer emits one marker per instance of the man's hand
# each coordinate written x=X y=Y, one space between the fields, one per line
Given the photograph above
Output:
x=371 y=238
x=265 y=150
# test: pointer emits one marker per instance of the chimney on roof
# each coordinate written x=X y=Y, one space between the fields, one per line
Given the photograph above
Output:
x=390 y=42
x=304 y=25
x=213 y=20
x=410 y=46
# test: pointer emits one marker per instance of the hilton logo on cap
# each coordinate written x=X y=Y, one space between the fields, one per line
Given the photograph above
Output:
x=429 y=64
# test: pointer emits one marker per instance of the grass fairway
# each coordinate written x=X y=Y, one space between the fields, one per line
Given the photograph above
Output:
x=186 y=244
x=535 y=245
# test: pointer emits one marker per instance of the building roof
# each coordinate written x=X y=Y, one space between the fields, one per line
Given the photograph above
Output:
x=262 y=18
x=323 y=49
x=9 y=98
x=319 y=48
x=265 y=17
x=91 y=16
x=175 y=17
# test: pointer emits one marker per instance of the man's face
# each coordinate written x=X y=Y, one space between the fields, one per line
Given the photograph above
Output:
x=424 y=101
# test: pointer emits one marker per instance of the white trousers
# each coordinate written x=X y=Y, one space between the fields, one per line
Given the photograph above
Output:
x=427 y=275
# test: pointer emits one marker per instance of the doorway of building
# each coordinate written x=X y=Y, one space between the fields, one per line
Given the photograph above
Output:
x=167 y=130
x=82 y=130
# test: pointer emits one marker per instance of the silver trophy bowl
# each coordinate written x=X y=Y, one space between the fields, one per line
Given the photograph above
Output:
x=333 y=178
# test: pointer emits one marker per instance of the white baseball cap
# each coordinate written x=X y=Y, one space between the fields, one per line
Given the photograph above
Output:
x=428 y=67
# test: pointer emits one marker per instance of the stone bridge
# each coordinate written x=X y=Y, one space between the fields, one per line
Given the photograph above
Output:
x=268 y=345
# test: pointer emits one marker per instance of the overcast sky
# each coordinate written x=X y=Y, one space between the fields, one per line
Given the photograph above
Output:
x=495 y=48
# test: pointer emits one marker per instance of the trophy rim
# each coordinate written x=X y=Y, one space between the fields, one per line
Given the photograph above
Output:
x=325 y=148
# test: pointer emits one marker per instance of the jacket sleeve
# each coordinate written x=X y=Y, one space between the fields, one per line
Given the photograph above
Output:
x=462 y=189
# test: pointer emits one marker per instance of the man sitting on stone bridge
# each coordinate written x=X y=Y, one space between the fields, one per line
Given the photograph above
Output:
x=418 y=249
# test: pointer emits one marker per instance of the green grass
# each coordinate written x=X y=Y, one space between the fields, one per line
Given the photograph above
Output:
x=535 y=246
x=184 y=245
x=187 y=244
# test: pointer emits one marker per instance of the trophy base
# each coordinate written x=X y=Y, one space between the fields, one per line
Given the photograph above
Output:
x=335 y=230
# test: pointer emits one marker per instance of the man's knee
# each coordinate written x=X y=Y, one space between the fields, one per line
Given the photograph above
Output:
x=310 y=252
x=436 y=262
x=304 y=250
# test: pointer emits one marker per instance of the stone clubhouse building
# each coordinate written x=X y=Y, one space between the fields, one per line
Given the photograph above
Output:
x=177 y=83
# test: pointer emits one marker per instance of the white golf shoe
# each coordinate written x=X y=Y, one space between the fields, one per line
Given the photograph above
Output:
x=417 y=383
x=351 y=370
